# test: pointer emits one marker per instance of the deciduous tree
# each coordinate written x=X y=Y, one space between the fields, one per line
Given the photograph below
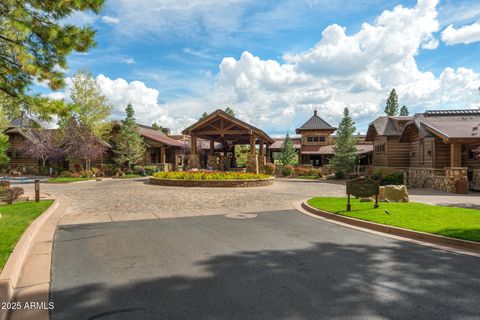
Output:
x=41 y=145
x=81 y=144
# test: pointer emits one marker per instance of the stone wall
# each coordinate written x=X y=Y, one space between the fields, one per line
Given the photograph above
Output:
x=445 y=180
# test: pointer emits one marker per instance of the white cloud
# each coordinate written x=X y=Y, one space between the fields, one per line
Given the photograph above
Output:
x=110 y=20
x=129 y=60
x=342 y=70
x=466 y=34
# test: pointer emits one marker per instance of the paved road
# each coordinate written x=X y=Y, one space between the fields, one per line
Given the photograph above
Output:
x=278 y=265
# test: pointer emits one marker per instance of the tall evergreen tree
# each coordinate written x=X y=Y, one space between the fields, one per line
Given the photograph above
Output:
x=288 y=152
x=404 y=111
x=35 y=42
x=203 y=116
x=230 y=111
x=391 y=107
x=344 y=150
x=130 y=148
x=156 y=126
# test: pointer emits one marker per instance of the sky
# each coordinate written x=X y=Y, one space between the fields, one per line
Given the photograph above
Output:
x=274 y=62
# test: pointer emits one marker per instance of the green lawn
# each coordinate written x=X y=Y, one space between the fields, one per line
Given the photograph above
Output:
x=67 y=180
x=15 y=219
x=129 y=176
x=446 y=221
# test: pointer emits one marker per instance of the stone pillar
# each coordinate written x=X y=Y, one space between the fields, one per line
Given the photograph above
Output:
x=456 y=178
x=252 y=163
x=193 y=162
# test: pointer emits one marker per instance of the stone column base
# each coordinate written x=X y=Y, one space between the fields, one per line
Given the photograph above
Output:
x=252 y=163
x=193 y=162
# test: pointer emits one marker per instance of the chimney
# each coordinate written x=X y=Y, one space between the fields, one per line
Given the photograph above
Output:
x=315 y=112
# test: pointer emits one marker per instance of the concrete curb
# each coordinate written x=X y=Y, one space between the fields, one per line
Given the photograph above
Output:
x=440 y=242
x=11 y=272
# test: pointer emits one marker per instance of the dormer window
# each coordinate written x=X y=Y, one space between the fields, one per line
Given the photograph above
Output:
x=315 y=139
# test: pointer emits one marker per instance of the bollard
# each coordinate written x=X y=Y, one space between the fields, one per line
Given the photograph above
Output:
x=37 y=190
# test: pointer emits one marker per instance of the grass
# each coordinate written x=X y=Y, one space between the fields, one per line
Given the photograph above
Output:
x=67 y=180
x=209 y=175
x=308 y=177
x=14 y=221
x=129 y=176
x=446 y=221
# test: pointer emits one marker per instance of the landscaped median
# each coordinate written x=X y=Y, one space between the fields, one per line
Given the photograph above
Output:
x=400 y=218
x=67 y=179
x=15 y=219
x=211 y=179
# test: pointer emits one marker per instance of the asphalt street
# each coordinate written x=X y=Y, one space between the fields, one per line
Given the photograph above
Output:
x=270 y=266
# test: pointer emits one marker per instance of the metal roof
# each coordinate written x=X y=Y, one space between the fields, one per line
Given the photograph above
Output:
x=460 y=112
x=315 y=123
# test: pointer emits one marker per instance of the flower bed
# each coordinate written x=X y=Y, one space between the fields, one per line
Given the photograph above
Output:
x=212 y=179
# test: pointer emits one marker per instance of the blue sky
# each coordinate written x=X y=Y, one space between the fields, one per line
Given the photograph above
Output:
x=173 y=59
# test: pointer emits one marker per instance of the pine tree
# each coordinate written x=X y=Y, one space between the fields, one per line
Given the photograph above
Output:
x=157 y=127
x=404 y=111
x=130 y=148
x=230 y=111
x=204 y=115
x=35 y=41
x=288 y=153
x=344 y=150
x=391 y=108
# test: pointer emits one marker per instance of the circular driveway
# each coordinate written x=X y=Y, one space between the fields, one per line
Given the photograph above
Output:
x=270 y=266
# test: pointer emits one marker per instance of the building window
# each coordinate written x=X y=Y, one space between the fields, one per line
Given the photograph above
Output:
x=471 y=154
x=380 y=148
x=309 y=139
x=315 y=139
x=421 y=150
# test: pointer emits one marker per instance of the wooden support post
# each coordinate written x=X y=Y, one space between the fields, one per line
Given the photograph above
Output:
x=37 y=190
x=193 y=144
x=252 y=144
x=162 y=155
x=456 y=155
x=260 y=149
x=212 y=147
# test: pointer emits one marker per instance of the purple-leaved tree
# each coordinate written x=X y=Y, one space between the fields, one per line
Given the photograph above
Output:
x=41 y=145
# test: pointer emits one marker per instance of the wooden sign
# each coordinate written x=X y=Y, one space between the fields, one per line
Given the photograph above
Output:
x=362 y=188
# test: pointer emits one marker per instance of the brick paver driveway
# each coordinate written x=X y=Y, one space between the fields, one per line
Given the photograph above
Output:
x=119 y=200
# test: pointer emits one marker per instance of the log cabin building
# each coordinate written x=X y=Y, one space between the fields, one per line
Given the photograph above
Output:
x=315 y=143
x=435 y=149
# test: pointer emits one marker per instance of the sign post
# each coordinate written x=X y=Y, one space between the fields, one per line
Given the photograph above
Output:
x=362 y=188
x=37 y=190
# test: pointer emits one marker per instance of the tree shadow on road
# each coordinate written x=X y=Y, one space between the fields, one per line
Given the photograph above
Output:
x=326 y=280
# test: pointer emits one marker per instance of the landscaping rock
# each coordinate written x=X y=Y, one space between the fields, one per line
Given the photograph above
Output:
x=396 y=193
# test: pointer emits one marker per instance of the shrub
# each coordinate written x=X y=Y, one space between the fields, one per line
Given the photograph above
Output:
x=12 y=194
x=95 y=172
x=208 y=175
x=394 y=178
x=150 y=170
x=270 y=168
x=65 y=174
x=107 y=169
x=86 y=174
x=119 y=172
x=288 y=170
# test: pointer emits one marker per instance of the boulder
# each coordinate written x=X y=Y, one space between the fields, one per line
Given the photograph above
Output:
x=381 y=194
x=396 y=193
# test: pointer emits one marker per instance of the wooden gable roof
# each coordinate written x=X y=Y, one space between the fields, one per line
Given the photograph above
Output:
x=220 y=126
